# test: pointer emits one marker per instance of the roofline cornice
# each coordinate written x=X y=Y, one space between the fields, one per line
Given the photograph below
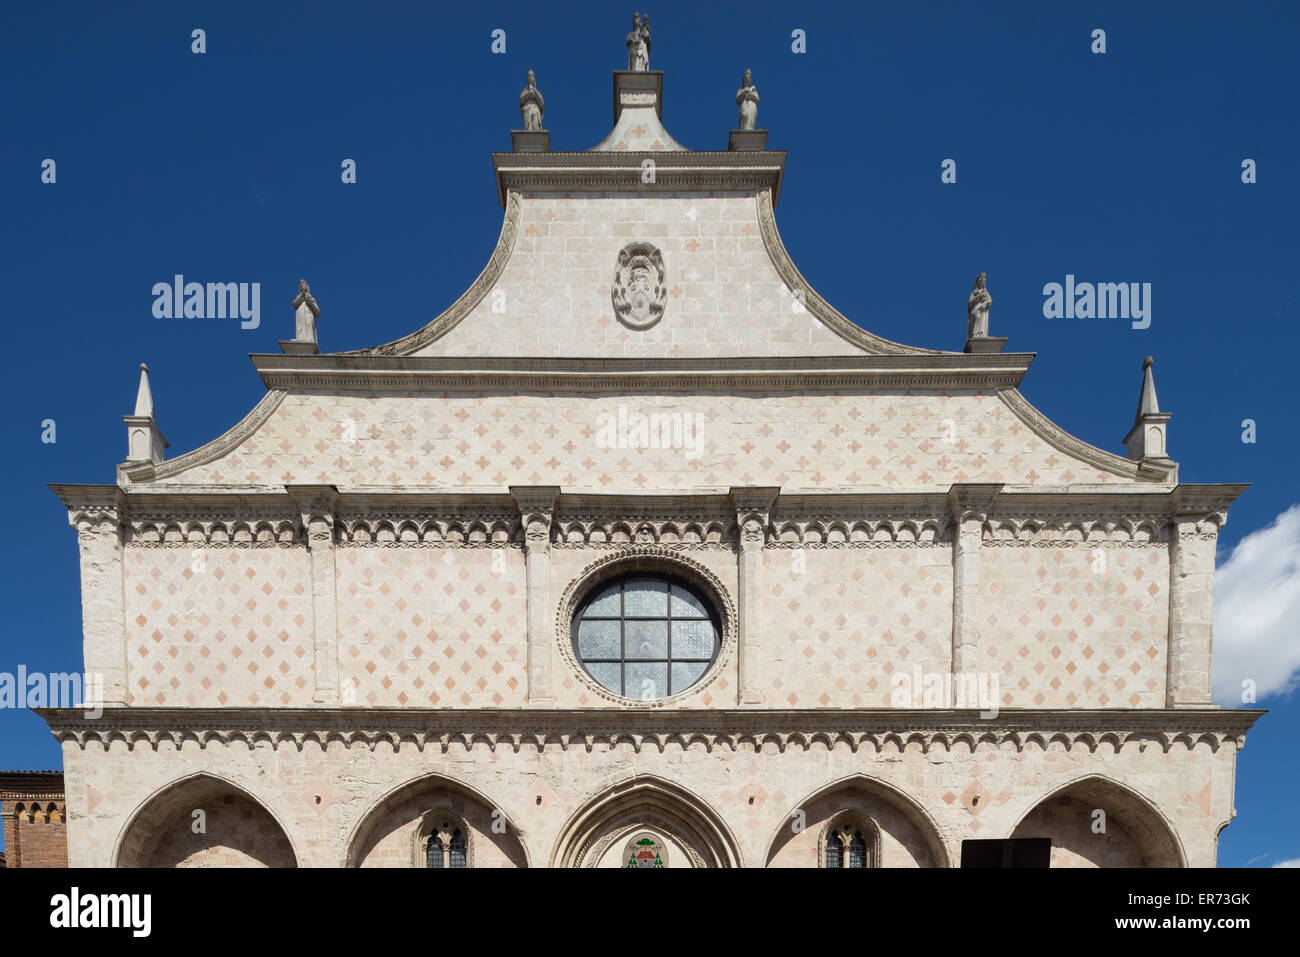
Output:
x=675 y=171
x=1169 y=504
x=348 y=372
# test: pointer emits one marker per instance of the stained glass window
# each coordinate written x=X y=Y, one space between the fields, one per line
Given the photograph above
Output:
x=646 y=636
x=433 y=856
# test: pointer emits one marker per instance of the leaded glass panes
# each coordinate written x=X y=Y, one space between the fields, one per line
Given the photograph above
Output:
x=433 y=857
x=834 y=851
x=600 y=639
x=646 y=637
x=458 y=848
x=645 y=597
x=857 y=851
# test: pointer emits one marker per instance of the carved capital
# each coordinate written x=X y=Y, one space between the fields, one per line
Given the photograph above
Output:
x=972 y=501
x=318 y=505
x=536 y=510
x=753 y=505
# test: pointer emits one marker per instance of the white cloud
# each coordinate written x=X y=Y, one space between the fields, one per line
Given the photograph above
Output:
x=1294 y=862
x=1257 y=613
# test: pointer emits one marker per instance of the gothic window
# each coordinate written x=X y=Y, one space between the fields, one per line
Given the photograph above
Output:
x=851 y=840
x=442 y=841
x=646 y=636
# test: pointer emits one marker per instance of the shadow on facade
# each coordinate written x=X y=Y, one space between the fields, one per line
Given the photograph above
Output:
x=467 y=829
x=1097 y=822
x=203 y=821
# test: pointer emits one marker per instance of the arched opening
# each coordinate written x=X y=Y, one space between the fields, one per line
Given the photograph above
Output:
x=858 y=821
x=1097 y=822
x=434 y=822
x=204 y=821
x=639 y=820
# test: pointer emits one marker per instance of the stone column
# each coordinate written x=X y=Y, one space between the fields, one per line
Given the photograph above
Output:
x=753 y=506
x=318 y=505
x=1191 y=610
x=103 y=599
x=537 y=512
x=969 y=504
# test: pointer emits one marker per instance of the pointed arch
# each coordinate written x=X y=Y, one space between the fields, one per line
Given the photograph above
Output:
x=237 y=829
x=386 y=834
x=1137 y=832
x=640 y=802
x=902 y=824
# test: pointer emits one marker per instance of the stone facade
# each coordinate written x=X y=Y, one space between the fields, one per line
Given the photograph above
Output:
x=344 y=630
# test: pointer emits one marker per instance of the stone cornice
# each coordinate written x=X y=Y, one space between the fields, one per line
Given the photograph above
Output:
x=1055 y=436
x=235 y=436
x=660 y=729
x=176 y=515
x=356 y=372
x=624 y=172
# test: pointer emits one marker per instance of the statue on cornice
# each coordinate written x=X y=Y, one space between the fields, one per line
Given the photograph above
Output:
x=531 y=105
x=638 y=43
x=306 y=312
x=747 y=98
x=977 y=310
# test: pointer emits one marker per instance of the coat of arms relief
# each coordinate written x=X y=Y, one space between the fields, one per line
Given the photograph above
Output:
x=640 y=293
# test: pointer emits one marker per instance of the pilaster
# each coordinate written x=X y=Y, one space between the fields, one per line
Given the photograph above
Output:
x=1192 y=544
x=969 y=504
x=103 y=597
x=537 y=513
x=753 y=505
x=319 y=506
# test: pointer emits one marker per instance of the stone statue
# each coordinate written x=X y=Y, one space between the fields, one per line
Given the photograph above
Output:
x=747 y=98
x=638 y=43
x=977 y=310
x=531 y=105
x=306 y=312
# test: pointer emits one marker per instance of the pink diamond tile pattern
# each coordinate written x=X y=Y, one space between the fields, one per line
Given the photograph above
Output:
x=219 y=627
x=818 y=442
x=432 y=627
x=842 y=621
x=1063 y=629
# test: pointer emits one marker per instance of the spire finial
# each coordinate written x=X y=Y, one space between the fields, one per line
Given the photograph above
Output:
x=143 y=396
x=1147 y=403
x=144 y=440
x=1148 y=439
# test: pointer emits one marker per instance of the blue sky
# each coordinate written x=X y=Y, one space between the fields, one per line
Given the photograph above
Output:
x=225 y=166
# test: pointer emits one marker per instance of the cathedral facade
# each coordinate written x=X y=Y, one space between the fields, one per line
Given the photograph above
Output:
x=641 y=554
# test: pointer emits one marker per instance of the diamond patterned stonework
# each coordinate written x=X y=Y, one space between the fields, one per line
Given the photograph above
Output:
x=344 y=628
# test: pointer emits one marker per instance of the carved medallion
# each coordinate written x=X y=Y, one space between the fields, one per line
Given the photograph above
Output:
x=645 y=850
x=640 y=293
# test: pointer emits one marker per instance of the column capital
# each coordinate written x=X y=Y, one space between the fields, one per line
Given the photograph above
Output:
x=972 y=500
x=753 y=505
x=536 y=505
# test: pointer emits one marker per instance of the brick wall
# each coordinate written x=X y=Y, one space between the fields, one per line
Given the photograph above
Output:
x=34 y=812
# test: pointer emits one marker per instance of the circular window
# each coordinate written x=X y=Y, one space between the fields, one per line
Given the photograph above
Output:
x=646 y=636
